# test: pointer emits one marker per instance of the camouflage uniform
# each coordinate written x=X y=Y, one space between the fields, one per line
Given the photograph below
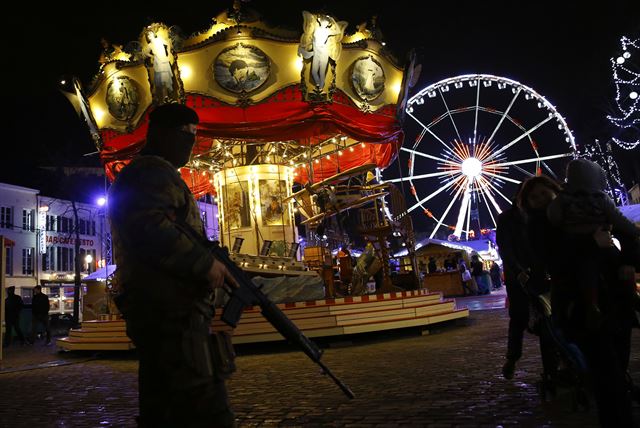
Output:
x=161 y=278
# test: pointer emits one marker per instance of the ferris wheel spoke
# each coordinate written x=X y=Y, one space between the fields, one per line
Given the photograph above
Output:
x=553 y=174
x=468 y=220
x=444 y=215
x=490 y=187
x=504 y=116
x=489 y=209
x=525 y=134
x=463 y=209
x=524 y=171
x=439 y=159
x=421 y=176
x=475 y=123
x=419 y=137
x=530 y=160
x=453 y=122
x=433 y=194
x=502 y=177
x=426 y=128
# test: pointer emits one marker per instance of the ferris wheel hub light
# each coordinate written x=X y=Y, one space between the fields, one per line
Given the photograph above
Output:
x=471 y=167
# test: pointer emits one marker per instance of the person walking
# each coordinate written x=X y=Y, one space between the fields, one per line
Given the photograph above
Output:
x=467 y=280
x=12 y=307
x=165 y=280
x=496 y=276
x=513 y=250
x=477 y=272
x=40 y=314
x=542 y=266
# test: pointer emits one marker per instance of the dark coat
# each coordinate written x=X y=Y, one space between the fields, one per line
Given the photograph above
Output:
x=12 y=306
x=511 y=237
x=40 y=304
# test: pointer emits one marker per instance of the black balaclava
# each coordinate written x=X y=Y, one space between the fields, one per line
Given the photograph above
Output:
x=166 y=139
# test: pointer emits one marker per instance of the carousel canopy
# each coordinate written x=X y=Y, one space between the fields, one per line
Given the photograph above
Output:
x=319 y=101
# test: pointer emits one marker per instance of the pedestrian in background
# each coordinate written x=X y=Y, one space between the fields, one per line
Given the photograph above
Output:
x=40 y=314
x=12 y=307
x=511 y=238
x=496 y=276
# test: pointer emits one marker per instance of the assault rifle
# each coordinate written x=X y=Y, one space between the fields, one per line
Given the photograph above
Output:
x=248 y=294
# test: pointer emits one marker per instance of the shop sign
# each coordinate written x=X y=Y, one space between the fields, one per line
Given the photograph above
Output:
x=66 y=240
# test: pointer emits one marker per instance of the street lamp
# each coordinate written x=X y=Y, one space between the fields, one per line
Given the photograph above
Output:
x=88 y=259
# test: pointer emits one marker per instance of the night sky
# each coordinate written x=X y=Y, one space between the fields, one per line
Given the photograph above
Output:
x=560 y=49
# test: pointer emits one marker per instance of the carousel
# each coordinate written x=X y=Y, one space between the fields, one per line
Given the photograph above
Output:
x=295 y=129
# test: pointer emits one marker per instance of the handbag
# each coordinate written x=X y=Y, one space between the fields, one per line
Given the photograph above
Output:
x=466 y=275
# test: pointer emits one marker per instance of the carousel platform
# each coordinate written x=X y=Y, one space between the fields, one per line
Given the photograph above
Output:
x=317 y=318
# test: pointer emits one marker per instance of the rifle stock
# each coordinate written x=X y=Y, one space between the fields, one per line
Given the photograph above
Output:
x=247 y=294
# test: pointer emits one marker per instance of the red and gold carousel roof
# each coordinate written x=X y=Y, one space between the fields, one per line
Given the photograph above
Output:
x=321 y=102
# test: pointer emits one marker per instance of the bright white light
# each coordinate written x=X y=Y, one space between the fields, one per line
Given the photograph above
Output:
x=620 y=60
x=471 y=167
x=101 y=201
x=633 y=95
x=88 y=258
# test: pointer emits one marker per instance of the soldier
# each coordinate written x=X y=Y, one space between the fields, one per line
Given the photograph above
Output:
x=165 y=278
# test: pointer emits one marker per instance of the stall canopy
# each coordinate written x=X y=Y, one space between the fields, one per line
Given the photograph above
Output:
x=101 y=274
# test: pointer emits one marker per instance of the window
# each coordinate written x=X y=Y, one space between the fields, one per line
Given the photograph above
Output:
x=28 y=220
x=9 y=261
x=93 y=228
x=47 y=260
x=65 y=259
x=64 y=227
x=27 y=261
x=51 y=223
x=6 y=217
x=58 y=264
x=82 y=226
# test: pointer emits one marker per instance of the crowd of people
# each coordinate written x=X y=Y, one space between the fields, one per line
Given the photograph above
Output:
x=570 y=284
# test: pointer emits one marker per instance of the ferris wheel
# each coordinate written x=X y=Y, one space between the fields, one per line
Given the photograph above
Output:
x=476 y=138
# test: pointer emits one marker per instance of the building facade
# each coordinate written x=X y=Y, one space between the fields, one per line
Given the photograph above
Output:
x=45 y=230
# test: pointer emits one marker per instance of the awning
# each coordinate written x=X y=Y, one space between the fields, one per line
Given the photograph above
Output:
x=100 y=274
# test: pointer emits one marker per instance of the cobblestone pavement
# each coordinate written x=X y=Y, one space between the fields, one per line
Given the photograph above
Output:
x=447 y=378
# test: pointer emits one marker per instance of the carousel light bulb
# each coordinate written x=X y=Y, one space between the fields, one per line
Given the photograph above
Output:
x=633 y=95
x=620 y=60
x=185 y=72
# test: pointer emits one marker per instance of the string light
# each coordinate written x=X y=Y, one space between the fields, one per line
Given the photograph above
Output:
x=614 y=185
x=626 y=76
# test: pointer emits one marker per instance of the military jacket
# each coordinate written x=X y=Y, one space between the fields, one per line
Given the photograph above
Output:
x=161 y=267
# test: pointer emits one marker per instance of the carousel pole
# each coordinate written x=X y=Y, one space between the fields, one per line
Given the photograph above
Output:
x=227 y=225
x=284 y=233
